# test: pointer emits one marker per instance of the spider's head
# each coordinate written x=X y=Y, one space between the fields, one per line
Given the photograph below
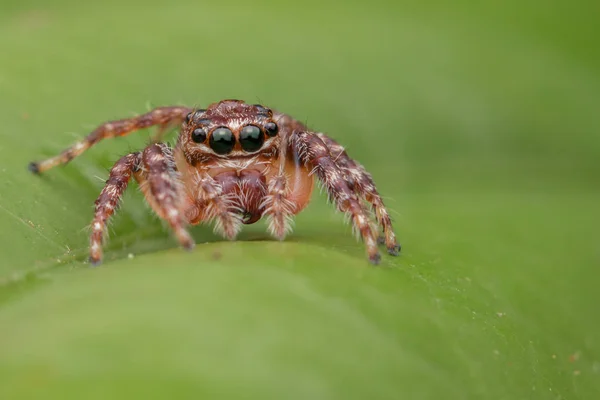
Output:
x=230 y=128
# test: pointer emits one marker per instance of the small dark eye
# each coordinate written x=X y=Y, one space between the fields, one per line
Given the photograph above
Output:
x=222 y=140
x=199 y=135
x=251 y=138
x=262 y=109
x=271 y=128
x=188 y=117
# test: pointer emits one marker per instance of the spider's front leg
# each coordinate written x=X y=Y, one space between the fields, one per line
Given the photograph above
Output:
x=288 y=192
x=313 y=152
x=154 y=170
x=163 y=189
x=278 y=209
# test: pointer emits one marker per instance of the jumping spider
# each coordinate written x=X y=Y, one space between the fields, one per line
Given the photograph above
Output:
x=233 y=164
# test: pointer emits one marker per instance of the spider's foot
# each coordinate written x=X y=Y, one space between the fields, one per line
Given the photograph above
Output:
x=279 y=231
x=95 y=261
x=394 y=250
x=34 y=167
x=186 y=240
x=189 y=246
x=375 y=259
x=279 y=234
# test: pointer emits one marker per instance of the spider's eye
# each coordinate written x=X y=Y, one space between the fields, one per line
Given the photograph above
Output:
x=222 y=140
x=271 y=128
x=251 y=138
x=199 y=135
x=191 y=115
x=262 y=109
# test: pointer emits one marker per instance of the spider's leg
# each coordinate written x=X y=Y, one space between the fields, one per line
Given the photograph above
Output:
x=159 y=116
x=278 y=209
x=162 y=187
x=109 y=198
x=218 y=207
x=365 y=188
x=314 y=152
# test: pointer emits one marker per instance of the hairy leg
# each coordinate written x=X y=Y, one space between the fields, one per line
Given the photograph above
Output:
x=108 y=201
x=365 y=187
x=162 y=187
x=314 y=152
x=215 y=206
x=163 y=116
x=278 y=209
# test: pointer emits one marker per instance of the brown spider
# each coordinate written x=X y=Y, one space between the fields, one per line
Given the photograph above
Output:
x=233 y=164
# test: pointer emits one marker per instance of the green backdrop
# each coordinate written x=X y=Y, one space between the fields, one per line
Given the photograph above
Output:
x=479 y=123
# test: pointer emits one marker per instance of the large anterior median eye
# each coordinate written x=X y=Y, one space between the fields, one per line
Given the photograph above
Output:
x=222 y=140
x=251 y=138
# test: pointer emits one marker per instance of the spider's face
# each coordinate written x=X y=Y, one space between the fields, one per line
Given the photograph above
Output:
x=230 y=128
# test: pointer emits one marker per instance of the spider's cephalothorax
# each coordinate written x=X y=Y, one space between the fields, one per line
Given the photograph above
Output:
x=233 y=164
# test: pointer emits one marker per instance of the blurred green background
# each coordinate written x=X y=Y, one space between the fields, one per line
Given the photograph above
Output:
x=478 y=120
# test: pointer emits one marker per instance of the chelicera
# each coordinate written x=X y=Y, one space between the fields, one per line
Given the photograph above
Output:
x=233 y=164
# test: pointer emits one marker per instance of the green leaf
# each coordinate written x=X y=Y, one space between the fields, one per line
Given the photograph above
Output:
x=478 y=122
